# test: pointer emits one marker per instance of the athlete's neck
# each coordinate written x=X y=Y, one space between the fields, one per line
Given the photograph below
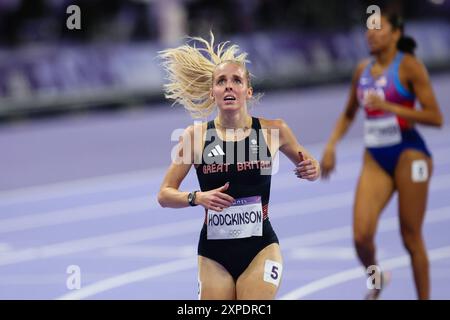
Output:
x=384 y=58
x=238 y=120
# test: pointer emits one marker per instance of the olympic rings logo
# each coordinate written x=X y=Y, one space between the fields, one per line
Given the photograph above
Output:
x=234 y=233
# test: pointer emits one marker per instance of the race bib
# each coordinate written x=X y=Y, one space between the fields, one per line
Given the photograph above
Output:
x=382 y=132
x=242 y=219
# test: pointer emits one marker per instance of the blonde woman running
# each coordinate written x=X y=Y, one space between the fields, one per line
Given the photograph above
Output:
x=238 y=252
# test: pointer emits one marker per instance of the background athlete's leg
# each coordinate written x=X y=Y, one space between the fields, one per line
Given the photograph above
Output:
x=216 y=283
x=412 y=178
x=375 y=188
x=262 y=277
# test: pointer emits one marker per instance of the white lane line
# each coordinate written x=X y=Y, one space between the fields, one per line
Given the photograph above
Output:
x=441 y=214
x=27 y=280
x=298 y=207
x=82 y=213
x=79 y=187
x=148 y=204
x=347 y=171
x=324 y=253
x=144 y=177
x=334 y=201
x=84 y=186
x=151 y=251
x=4 y=247
x=345 y=232
x=89 y=212
x=96 y=184
x=131 y=277
x=356 y=273
x=119 y=207
x=101 y=242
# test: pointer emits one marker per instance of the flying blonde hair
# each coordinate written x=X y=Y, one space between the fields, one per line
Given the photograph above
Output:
x=190 y=73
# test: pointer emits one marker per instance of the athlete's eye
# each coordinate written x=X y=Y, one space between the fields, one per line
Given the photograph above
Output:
x=237 y=80
x=220 y=81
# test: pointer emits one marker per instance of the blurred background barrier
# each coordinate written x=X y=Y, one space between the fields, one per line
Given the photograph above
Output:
x=111 y=61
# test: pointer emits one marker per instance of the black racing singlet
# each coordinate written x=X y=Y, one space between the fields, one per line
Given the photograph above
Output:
x=246 y=164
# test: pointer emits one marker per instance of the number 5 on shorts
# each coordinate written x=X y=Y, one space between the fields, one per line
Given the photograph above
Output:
x=272 y=272
x=419 y=171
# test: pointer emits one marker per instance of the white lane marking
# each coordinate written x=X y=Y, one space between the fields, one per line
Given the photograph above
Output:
x=79 y=186
x=101 y=242
x=151 y=251
x=83 y=213
x=131 y=277
x=29 y=279
x=143 y=177
x=147 y=204
x=357 y=272
x=442 y=214
x=173 y=229
x=114 y=208
x=311 y=205
x=340 y=233
x=4 y=247
x=325 y=253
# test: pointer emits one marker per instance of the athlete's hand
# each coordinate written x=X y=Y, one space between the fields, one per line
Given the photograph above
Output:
x=215 y=199
x=375 y=102
x=328 y=161
x=307 y=169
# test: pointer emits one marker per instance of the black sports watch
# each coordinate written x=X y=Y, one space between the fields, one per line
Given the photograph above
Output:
x=191 y=198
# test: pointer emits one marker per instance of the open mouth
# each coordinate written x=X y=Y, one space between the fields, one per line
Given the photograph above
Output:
x=229 y=98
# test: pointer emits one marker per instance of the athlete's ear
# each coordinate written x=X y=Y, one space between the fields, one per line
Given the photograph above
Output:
x=249 y=93
x=397 y=34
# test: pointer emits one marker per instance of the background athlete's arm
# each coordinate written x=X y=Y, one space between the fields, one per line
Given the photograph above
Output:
x=346 y=118
x=169 y=194
x=417 y=77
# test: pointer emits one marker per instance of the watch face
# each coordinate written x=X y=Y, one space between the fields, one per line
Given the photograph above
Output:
x=190 y=196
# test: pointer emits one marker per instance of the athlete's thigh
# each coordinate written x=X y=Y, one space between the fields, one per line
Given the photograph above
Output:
x=215 y=282
x=262 y=277
x=374 y=190
x=412 y=178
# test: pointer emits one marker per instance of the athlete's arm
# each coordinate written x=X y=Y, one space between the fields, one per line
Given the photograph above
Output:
x=418 y=79
x=169 y=194
x=306 y=168
x=343 y=123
